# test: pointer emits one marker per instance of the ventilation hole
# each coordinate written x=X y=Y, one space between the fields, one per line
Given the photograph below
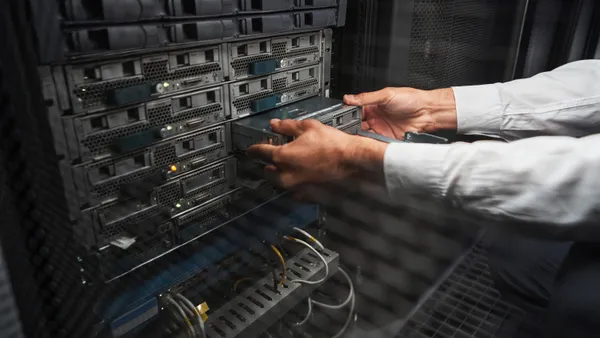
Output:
x=209 y=55
x=246 y=308
x=213 y=137
x=314 y=256
x=211 y=97
x=133 y=115
x=308 y=19
x=263 y=295
x=185 y=102
x=89 y=74
x=306 y=260
x=227 y=322
x=255 y=302
x=182 y=60
x=302 y=267
x=294 y=272
x=271 y=289
x=237 y=315
x=218 y=330
x=257 y=25
x=128 y=68
x=326 y=83
x=98 y=123
x=139 y=161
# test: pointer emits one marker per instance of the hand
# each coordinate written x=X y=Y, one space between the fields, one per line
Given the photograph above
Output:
x=394 y=111
x=319 y=154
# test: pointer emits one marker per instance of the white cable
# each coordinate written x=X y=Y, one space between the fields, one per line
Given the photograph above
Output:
x=349 y=319
x=348 y=299
x=299 y=241
x=195 y=312
x=308 y=313
x=191 y=331
x=311 y=237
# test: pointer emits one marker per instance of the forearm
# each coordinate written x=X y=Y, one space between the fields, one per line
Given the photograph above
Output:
x=363 y=158
x=545 y=185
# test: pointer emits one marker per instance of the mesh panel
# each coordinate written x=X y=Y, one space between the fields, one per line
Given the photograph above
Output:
x=449 y=42
x=466 y=304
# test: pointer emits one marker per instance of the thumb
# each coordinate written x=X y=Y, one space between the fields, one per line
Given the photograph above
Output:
x=365 y=99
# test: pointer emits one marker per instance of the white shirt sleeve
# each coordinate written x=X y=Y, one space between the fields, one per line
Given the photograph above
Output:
x=565 y=101
x=550 y=185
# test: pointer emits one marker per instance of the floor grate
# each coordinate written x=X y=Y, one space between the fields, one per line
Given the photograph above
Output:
x=465 y=304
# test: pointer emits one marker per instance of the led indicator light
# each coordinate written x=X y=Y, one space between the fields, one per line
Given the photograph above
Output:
x=173 y=168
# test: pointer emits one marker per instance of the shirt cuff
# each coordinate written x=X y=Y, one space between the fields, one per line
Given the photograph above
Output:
x=478 y=109
x=415 y=167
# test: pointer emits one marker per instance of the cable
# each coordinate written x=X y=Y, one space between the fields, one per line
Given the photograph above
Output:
x=308 y=313
x=195 y=310
x=311 y=237
x=284 y=268
x=348 y=299
x=299 y=241
x=235 y=285
x=349 y=319
x=191 y=331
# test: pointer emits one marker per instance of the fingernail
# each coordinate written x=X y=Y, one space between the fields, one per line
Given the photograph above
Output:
x=349 y=97
x=275 y=120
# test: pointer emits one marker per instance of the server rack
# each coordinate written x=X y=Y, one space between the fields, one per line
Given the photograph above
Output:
x=122 y=88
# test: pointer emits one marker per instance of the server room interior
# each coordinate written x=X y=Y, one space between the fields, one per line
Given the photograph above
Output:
x=149 y=221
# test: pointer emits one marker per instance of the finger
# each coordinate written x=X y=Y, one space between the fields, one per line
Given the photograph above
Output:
x=363 y=99
x=271 y=168
x=263 y=152
x=365 y=125
x=288 y=127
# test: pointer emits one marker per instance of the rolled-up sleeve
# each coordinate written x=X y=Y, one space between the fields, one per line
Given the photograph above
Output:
x=564 y=101
x=551 y=184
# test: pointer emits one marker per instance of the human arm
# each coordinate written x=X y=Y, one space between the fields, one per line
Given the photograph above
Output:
x=565 y=101
x=547 y=185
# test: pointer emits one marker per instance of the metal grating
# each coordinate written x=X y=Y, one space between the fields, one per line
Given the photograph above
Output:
x=466 y=304
x=450 y=42
x=258 y=307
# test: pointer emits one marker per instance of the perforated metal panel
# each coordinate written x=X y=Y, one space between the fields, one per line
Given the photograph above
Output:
x=449 y=42
x=466 y=304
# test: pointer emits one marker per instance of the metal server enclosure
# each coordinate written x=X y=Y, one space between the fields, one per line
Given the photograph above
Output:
x=331 y=112
x=139 y=97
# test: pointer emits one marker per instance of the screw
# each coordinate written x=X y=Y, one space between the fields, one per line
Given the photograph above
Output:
x=359 y=275
x=163 y=132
